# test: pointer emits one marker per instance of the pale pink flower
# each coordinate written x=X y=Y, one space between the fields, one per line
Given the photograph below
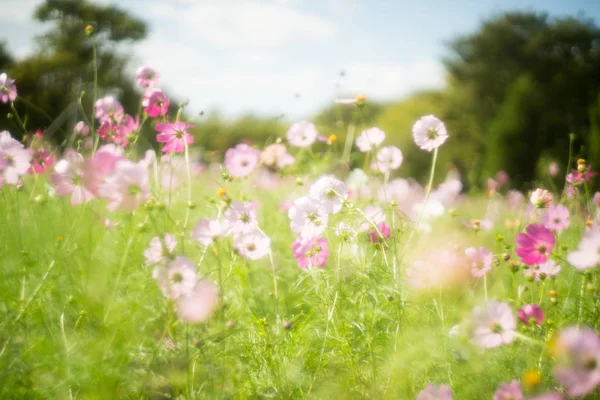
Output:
x=389 y=158
x=146 y=77
x=509 y=391
x=16 y=158
x=438 y=270
x=155 y=102
x=271 y=153
x=429 y=133
x=254 y=245
x=99 y=168
x=8 y=90
x=308 y=217
x=241 y=217
x=345 y=231
x=379 y=235
x=556 y=218
x=370 y=139
x=549 y=269
x=541 y=198
x=536 y=245
x=174 y=135
x=373 y=216
x=331 y=192
x=494 y=324
x=160 y=249
x=302 y=134
x=67 y=179
x=128 y=187
x=597 y=198
x=502 y=178
x=106 y=107
x=435 y=392
x=515 y=200
x=310 y=253
x=577 y=351
x=480 y=260
x=285 y=160
x=241 y=160
x=207 y=230
x=587 y=255
x=177 y=279
x=198 y=305
x=530 y=314
x=81 y=129
x=553 y=169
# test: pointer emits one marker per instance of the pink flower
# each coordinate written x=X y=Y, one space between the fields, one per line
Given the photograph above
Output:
x=207 y=230
x=106 y=107
x=155 y=102
x=67 y=179
x=285 y=160
x=8 y=90
x=16 y=158
x=481 y=260
x=530 y=314
x=42 y=161
x=549 y=269
x=374 y=216
x=174 y=135
x=388 y=159
x=370 y=139
x=535 y=245
x=310 y=252
x=198 y=305
x=146 y=77
x=434 y=392
x=271 y=153
x=553 y=169
x=177 y=279
x=509 y=391
x=494 y=324
x=331 y=192
x=378 y=236
x=587 y=255
x=429 y=133
x=254 y=245
x=556 y=218
x=241 y=217
x=160 y=249
x=597 y=198
x=502 y=178
x=241 y=160
x=81 y=128
x=128 y=188
x=578 y=353
x=302 y=134
x=541 y=198
x=308 y=217
x=515 y=199
x=100 y=167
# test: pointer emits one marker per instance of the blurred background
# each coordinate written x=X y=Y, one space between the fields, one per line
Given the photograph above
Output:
x=511 y=79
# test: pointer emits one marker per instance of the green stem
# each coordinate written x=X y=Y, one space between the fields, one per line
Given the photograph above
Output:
x=16 y=114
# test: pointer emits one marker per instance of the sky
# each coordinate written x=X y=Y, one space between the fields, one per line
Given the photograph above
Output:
x=284 y=57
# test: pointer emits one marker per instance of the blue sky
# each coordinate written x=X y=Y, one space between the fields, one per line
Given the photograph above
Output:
x=241 y=56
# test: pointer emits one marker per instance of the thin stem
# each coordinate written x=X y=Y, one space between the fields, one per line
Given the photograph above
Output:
x=16 y=114
x=95 y=93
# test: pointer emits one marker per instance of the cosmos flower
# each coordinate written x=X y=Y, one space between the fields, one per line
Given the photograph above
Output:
x=81 y=128
x=41 y=161
x=370 y=139
x=160 y=249
x=241 y=160
x=535 y=245
x=8 y=90
x=308 y=217
x=254 y=245
x=541 y=198
x=480 y=259
x=16 y=158
x=128 y=188
x=330 y=191
x=531 y=313
x=302 y=134
x=556 y=218
x=509 y=391
x=553 y=169
x=389 y=158
x=199 y=304
x=494 y=324
x=174 y=135
x=207 y=230
x=67 y=179
x=106 y=107
x=378 y=235
x=429 y=133
x=241 y=218
x=549 y=269
x=155 y=102
x=587 y=255
x=435 y=392
x=146 y=77
x=310 y=253
x=177 y=279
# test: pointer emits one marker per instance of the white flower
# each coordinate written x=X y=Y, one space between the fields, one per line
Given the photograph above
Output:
x=330 y=191
x=388 y=159
x=241 y=217
x=429 y=133
x=178 y=279
x=253 y=245
x=370 y=139
x=308 y=217
x=302 y=134
x=208 y=229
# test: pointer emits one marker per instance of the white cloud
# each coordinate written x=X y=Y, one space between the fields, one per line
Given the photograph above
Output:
x=245 y=24
x=390 y=82
x=18 y=11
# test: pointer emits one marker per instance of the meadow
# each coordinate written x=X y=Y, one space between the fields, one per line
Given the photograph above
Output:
x=305 y=267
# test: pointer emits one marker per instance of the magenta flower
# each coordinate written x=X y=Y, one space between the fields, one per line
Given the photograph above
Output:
x=587 y=255
x=155 y=103
x=81 y=128
x=370 y=139
x=67 y=179
x=174 y=135
x=378 y=236
x=254 y=245
x=308 y=217
x=556 y=218
x=41 y=161
x=199 y=304
x=241 y=160
x=530 y=314
x=160 y=249
x=302 y=134
x=241 y=217
x=577 y=351
x=331 y=192
x=541 y=198
x=435 y=392
x=310 y=252
x=16 y=158
x=509 y=391
x=481 y=260
x=535 y=245
x=207 y=230
x=146 y=77
x=388 y=159
x=106 y=107
x=8 y=90
x=100 y=167
x=177 y=279
x=429 y=133
x=128 y=188
x=494 y=324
